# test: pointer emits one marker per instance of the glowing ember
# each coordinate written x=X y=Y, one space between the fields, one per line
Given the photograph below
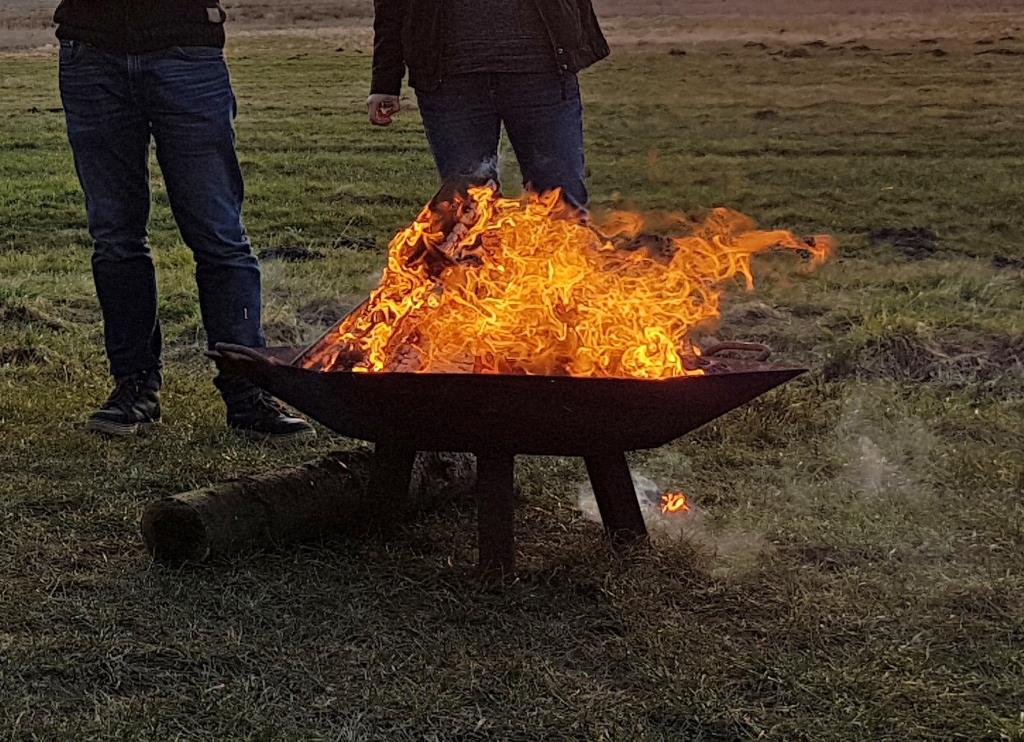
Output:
x=485 y=284
x=674 y=502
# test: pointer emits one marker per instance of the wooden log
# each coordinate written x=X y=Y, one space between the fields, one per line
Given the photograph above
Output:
x=325 y=497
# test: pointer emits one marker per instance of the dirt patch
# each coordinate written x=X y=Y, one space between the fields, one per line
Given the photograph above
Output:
x=914 y=242
x=796 y=9
x=25 y=313
x=284 y=333
x=356 y=242
x=309 y=321
x=956 y=359
x=27 y=23
x=1003 y=52
x=1002 y=262
x=374 y=199
x=326 y=312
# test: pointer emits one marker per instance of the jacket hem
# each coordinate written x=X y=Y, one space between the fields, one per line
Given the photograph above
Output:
x=151 y=40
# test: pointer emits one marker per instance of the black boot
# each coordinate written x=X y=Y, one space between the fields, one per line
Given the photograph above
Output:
x=133 y=406
x=258 y=417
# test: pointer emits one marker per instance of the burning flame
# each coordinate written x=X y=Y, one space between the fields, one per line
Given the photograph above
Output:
x=674 y=502
x=486 y=284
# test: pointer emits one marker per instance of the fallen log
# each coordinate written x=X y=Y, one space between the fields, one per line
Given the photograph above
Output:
x=342 y=492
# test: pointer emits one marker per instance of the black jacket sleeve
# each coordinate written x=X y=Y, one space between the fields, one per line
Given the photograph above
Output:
x=388 y=55
x=595 y=40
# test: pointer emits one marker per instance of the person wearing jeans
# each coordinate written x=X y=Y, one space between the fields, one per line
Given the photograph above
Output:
x=479 y=64
x=154 y=70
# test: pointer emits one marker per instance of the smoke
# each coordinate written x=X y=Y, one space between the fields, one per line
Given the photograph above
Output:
x=725 y=550
x=879 y=459
x=881 y=452
x=662 y=526
x=488 y=169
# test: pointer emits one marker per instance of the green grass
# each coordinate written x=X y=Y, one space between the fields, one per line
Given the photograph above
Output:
x=859 y=571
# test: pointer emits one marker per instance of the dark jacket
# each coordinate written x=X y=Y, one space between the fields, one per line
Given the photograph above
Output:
x=410 y=34
x=139 y=26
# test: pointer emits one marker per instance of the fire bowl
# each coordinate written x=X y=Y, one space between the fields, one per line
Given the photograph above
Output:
x=531 y=415
x=497 y=417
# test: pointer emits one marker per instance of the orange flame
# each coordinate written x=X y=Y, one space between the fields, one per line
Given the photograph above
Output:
x=674 y=502
x=529 y=286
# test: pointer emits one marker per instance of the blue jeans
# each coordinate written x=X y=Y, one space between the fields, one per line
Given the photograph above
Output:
x=182 y=99
x=542 y=114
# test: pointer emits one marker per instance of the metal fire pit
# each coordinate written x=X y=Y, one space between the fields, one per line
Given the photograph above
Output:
x=498 y=417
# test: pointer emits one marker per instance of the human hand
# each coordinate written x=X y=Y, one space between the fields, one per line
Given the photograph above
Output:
x=383 y=108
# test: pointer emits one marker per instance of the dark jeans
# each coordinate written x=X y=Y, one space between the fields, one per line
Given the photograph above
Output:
x=182 y=99
x=542 y=114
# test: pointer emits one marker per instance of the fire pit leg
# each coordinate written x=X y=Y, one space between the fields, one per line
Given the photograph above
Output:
x=496 y=513
x=391 y=475
x=616 y=497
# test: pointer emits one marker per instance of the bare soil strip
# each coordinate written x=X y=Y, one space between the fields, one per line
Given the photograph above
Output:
x=27 y=23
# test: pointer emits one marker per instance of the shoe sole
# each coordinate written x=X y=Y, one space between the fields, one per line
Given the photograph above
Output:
x=119 y=430
x=288 y=439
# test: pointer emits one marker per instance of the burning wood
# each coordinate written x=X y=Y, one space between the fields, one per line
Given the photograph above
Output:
x=560 y=328
x=485 y=284
x=674 y=502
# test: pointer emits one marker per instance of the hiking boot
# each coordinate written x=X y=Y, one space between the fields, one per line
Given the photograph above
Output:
x=260 y=418
x=132 y=408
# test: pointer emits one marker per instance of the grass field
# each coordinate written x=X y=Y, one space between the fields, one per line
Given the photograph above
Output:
x=860 y=570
